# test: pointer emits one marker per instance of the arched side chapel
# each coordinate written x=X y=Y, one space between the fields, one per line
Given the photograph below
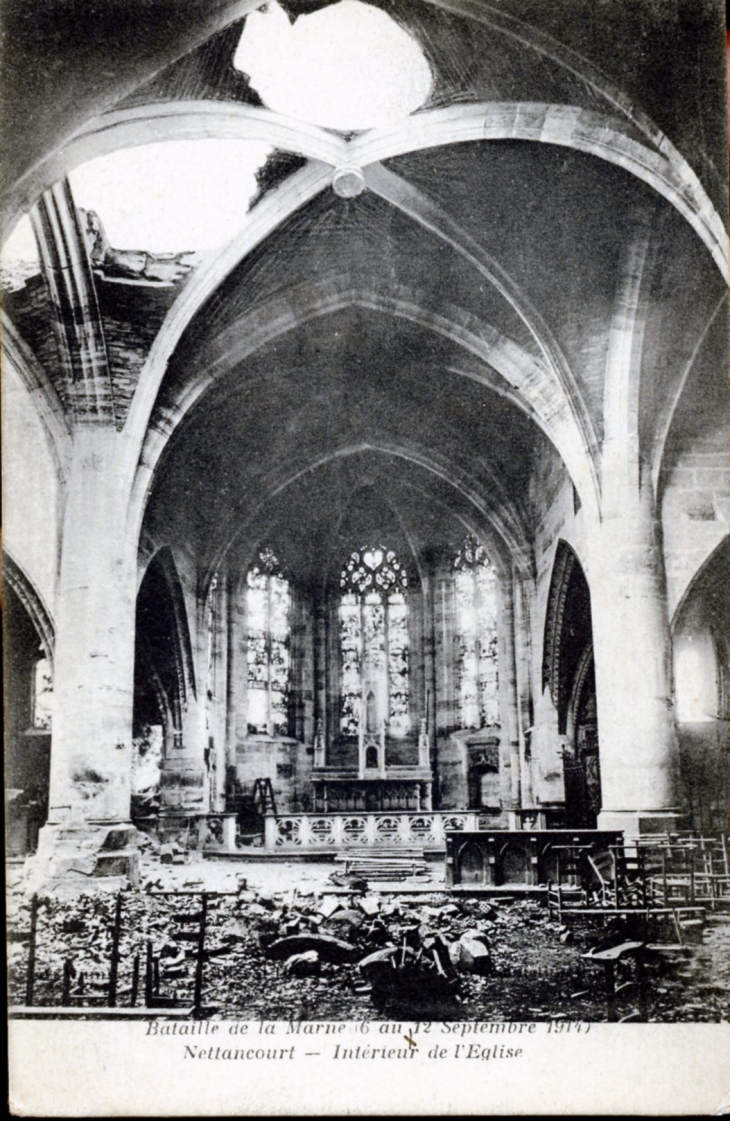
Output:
x=392 y=470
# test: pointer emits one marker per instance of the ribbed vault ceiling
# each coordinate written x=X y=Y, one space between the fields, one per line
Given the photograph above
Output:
x=384 y=337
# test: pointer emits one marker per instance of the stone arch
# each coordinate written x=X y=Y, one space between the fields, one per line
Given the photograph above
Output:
x=568 y=673
x=567 y=632
x=666 y=416
x=427 y=213
x=164 y=672
x=41 y=390
x=471 y=864
x=660 y=165
x=563 y=564
x=506 y=539
x=527 y=380
x=716 y=565
x=166 y=561
x=30 y=638
x=33 y=603
x=701 y=651
x=632 y=142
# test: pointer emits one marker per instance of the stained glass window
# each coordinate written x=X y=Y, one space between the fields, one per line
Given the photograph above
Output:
x=374 y=643
x=268 y=603
x=475 y=586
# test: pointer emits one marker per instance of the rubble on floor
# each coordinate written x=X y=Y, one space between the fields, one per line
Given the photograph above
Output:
x=355 y=955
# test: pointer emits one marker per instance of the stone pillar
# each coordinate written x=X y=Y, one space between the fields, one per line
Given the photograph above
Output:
x=526 y=672
x=185 y=786
x=321 y=674
x=237 y=705
x=424 y=748
x=509 y=754
x=184 y=777
x=429 y=666
x=91 y=753
x=217 y=714
x=236 y=666
x=446 y=716
x=636 y=726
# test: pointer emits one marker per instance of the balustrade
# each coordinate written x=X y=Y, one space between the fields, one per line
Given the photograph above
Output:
x=330 y=832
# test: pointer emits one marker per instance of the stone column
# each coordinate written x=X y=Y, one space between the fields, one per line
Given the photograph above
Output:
x=444 y=612
x=525 y=673
x=91 y=754
x=429 y=660
x=185 y=780
x=237 y=704
x=636 y=726
x=321 y=674
x=217 y=714
x=509 y=719
x=236 y=665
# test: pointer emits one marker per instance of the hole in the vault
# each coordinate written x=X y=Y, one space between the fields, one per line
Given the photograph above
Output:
x=348 y=66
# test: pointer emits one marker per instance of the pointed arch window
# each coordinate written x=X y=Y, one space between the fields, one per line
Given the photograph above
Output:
x=268 y=611
x=374 y=649
x=475 y=586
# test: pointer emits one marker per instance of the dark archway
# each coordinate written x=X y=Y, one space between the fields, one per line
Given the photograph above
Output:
x=569 y=674
x=28 y=685
x=162 y=676
x=701 y=648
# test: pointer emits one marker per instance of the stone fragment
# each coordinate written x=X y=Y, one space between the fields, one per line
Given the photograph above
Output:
x=329 y=949
x=306 y=964
x=376 y=966
x=329 y=905
x=256 y=911
x=349 y=918
x=266 y=900
x=472 y=955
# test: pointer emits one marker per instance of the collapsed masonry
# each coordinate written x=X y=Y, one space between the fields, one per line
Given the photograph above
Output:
x=338 y=954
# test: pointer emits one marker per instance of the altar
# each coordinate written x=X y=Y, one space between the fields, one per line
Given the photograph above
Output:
x=372 y=783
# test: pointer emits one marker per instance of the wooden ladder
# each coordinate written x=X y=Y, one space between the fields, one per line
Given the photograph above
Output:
x=263 y=796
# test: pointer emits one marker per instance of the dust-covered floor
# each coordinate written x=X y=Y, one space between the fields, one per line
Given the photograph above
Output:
x=286 y=945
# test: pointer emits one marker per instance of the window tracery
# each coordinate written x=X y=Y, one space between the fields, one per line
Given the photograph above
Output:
x=268 y=608
x=475 y=587
x=374 y=643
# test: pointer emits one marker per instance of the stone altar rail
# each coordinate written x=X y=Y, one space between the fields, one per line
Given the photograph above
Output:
x=332 y=832
x=505 y=856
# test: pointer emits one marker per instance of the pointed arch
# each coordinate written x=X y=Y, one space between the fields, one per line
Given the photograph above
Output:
x=33 y=603
x=162 y=568
x=568 y=630
x=525 y=379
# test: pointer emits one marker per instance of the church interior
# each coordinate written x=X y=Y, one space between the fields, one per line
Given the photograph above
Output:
x=366 y=427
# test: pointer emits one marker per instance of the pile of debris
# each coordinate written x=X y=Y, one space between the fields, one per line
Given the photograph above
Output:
x=403 y=949
x=339 y=954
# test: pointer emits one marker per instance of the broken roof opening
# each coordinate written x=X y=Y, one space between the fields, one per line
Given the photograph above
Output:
x=348 y=67
x=174 y=195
